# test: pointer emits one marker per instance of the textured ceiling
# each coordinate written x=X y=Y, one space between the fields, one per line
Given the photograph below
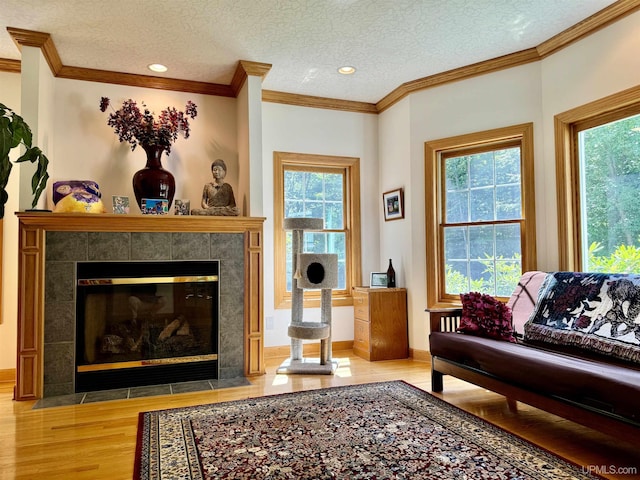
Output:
x=390 y=42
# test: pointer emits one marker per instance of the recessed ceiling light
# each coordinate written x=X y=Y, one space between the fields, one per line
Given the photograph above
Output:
x=157 y=67
x=347 y=70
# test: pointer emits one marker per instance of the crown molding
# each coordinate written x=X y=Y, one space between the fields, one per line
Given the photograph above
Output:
x=592 y=24
x=39 y=40
x=595 y=22
x=147 y=81
x=10 y=65
x=246 y=68
x=43 y=41
x=318 y=102
x=462 y=73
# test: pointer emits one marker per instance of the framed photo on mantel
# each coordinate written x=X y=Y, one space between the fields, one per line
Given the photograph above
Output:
x=155 y=206
x=120 y=204
x=181 y=207
x=393 y=203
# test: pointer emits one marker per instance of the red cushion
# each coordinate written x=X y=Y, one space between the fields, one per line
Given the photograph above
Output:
x=485 y=316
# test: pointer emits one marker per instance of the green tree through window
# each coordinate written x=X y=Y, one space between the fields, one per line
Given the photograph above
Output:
x=479 y=213
x=312 y=194
x=482 y=221
x=609 y=158
x=317 y=186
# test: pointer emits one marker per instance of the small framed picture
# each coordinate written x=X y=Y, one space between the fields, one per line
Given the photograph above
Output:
x=155 y=206
x=378 y=280
x=393 y=203
x=120 y=204
x=181 y=207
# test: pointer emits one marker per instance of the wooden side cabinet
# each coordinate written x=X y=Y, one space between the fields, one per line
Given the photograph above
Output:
x=380 y=323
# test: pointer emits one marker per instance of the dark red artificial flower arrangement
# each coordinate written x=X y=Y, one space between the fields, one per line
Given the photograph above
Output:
x=139 y=127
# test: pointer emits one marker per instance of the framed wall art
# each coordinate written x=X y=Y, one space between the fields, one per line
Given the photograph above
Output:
x=393 y=203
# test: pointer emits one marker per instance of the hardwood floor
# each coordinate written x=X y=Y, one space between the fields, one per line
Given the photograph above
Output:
x=97 y=441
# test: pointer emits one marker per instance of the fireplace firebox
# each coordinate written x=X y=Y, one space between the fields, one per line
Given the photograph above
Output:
x=146 y=323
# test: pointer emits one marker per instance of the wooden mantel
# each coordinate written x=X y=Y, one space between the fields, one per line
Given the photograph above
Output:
x=32 y=229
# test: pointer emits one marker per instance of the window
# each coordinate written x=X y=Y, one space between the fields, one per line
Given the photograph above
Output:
x=480 y=214
x=320 y=187
x=598 y=165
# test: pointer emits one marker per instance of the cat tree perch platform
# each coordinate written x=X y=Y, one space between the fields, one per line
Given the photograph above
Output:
x=310 y=271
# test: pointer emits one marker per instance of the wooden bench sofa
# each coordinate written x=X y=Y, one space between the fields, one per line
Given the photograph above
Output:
x=589 y=388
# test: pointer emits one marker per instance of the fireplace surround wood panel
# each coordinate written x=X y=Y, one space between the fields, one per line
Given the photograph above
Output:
x=43 y=295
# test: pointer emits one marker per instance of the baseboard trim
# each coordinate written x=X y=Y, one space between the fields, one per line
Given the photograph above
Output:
x=308 y=349
x=8 y=375
x=420 y=355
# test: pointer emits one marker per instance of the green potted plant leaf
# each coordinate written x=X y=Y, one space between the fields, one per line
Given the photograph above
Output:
x=14 y=131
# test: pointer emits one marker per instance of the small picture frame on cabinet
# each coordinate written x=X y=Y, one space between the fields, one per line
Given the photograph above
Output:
x=378 y=280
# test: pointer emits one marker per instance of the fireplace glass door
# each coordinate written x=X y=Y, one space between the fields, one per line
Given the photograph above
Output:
x=143 y=323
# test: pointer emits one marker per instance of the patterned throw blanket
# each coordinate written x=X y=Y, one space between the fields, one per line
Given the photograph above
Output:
x=593 y=311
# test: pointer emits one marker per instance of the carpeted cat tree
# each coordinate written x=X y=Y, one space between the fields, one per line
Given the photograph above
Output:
x=310 y=271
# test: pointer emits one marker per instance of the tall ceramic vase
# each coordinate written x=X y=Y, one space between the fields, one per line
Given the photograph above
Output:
x=153 y=181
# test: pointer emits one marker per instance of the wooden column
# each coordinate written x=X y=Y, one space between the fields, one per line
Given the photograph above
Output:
x=32 y=229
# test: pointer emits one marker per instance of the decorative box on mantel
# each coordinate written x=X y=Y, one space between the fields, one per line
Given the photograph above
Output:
x=60 y=240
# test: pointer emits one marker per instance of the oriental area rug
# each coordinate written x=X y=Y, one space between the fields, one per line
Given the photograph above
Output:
x=387 y=430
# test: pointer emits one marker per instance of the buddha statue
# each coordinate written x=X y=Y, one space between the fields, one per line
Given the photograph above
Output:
x=217 y=196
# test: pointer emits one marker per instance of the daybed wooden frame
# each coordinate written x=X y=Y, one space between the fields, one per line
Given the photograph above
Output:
x=447 y=320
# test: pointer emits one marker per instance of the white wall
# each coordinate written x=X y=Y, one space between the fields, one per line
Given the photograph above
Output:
x=600 y=65
x=88 y=149
x=288 y=128
x=37 y=110
x=249 y=128
x=10 y=97
x=500 y=99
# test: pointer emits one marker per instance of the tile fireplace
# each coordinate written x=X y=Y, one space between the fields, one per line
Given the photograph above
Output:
x=58 y=250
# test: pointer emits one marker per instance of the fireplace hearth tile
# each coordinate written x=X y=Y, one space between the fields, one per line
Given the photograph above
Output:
x=58 y=364
x=141 y=392
x=105 y=395
x=187 y=387
x=227 y=246
x=150 y=246
x=66 y=246
x=59 y=401
x=149 y=391
x=238 y=381
x=61 y=320
x=106 y=246
x=190 y=246
x=54 y=390
x=59 y=281
x=227 y=373
x=231 y=275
